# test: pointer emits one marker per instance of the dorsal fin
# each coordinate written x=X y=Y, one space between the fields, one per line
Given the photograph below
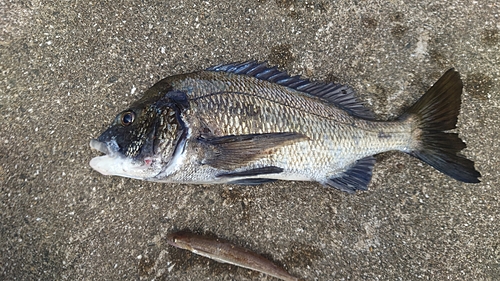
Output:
x=340 y=95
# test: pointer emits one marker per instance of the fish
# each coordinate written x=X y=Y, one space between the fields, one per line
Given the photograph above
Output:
x=248 y=123
x=225 y=252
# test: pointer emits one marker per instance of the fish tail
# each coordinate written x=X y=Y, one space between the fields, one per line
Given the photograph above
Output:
x=434 y=113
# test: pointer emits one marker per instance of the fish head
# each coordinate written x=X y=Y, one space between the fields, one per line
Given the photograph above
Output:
x=144 y=140
x=180 y=240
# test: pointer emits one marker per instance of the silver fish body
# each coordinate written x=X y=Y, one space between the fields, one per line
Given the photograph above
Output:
x=250 y=124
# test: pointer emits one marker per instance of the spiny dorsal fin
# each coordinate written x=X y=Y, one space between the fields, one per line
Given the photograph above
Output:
x=340 y=95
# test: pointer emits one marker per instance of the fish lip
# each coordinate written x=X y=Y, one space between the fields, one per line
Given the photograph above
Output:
x=109 y=148
x=99 y=146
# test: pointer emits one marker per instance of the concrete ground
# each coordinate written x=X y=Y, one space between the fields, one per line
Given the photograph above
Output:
x=67 y=67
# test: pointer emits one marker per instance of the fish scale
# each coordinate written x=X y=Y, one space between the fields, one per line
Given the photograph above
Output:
x=246 y=123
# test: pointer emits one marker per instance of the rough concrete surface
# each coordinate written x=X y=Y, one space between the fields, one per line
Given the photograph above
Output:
x=67 y=67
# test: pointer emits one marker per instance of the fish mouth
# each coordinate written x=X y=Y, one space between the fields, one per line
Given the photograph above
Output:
x=109 y=149
x=105 y=162
x=99 y=146
x=115 y=163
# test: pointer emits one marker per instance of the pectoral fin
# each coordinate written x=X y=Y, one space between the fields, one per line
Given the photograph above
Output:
x=231 y=152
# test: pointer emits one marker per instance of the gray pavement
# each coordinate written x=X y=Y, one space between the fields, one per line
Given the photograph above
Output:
x=67 y=67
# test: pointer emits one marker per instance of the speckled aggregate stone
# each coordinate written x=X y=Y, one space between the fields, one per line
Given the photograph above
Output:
x=67 y=67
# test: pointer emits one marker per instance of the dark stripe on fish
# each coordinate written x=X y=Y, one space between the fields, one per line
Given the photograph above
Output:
x=252 y=181
x=253 y=172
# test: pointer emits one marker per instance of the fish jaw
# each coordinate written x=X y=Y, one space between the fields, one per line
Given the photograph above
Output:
x=114 y=163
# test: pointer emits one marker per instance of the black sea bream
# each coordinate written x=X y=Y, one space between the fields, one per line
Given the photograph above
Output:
x=246 y=123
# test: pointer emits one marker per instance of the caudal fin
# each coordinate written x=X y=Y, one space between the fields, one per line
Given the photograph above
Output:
x=436 y=112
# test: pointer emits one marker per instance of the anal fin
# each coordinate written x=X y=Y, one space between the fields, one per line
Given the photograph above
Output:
x=357 y=177
x=234 y=151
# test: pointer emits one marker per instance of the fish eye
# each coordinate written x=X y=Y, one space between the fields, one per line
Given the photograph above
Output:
x=127 y=118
